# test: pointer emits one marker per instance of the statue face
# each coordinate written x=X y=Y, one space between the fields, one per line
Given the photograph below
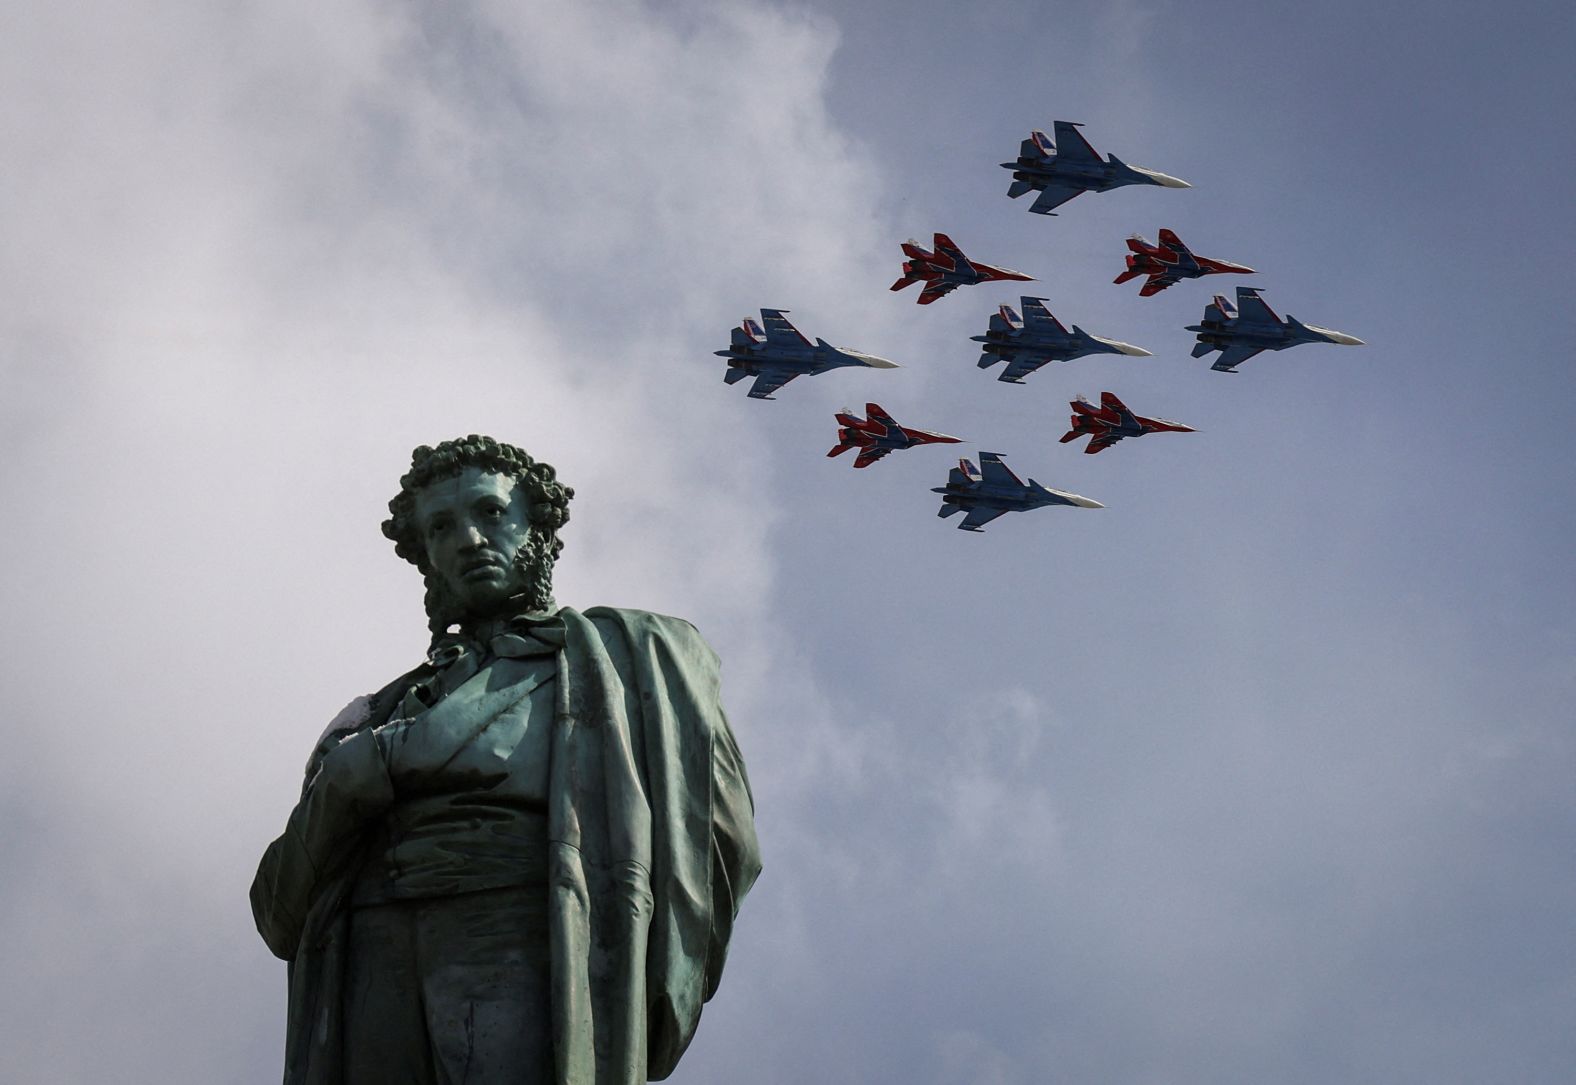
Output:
x=474 y=526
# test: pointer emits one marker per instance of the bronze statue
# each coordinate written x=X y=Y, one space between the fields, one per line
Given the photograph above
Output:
x=521 y=861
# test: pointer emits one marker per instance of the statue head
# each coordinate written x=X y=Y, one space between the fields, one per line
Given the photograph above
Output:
x=480 y=519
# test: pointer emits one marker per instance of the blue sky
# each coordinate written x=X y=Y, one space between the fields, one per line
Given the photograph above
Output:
x=1262 y=773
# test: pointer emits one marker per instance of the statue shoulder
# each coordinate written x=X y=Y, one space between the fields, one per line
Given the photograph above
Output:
x=643 y=630
x=643 y=623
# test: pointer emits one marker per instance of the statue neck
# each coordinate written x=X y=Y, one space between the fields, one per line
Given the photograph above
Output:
x=483 y=628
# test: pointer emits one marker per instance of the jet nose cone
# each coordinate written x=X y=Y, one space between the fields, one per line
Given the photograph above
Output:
x=1164 y=179
x=1062 y=497
x=878 y=363
x=1124 y=348
x=1338 y=337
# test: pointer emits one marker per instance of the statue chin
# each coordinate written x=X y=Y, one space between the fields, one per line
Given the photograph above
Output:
x=529 y=590
x=487 y=600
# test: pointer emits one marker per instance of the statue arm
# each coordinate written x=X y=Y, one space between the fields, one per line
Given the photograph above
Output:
x=349 y=788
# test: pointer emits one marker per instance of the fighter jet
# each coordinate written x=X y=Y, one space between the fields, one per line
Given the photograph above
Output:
x=1072 y=167
x=946 y=269
x=1240 y=333
x=1037 y=337
x=992 y=490
x=1169 y=262
x=780 y=353
x=1111 y=421
x=878 y=434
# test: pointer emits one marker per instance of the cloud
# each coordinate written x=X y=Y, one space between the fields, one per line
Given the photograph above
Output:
x=1258 y=774
x=263 y=255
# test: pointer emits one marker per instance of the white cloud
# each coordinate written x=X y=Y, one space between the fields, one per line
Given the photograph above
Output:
x=1241 y=779
x=262 y=256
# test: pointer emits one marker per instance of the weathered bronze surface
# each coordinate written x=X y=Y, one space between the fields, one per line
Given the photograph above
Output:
x=519 y=862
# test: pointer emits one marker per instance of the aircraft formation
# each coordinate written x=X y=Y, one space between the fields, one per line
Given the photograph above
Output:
x=775 y=352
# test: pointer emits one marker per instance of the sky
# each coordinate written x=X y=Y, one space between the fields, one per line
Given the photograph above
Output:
x=1264 y=772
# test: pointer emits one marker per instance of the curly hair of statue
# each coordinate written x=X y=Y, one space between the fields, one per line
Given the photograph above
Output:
x=547 y=503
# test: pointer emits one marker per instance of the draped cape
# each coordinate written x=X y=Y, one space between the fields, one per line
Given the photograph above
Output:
x=651 y=847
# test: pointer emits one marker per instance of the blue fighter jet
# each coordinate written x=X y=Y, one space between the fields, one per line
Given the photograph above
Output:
x=1252 y=326
x=992 y=490
x=1036 y=338
x=1070 y=168
x=780 y=353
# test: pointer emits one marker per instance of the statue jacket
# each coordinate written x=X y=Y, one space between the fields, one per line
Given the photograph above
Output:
x=651 y=846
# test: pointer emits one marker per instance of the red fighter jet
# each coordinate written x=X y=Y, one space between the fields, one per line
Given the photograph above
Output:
x=1111 y=421
x=1169 y=262
x=946 y=269
x=879 y=434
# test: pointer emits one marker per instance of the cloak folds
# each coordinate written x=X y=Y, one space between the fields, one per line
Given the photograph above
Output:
x=651 y=845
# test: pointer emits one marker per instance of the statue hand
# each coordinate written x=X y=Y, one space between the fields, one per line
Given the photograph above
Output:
x=435 y=753
x=353 y=772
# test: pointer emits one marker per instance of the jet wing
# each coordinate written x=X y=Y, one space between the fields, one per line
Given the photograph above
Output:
x=1101 y=442
x=1170 y=240
x=934 y=290
x=1123 y=415
x=875 y=413
x=1071 y=145
x=768 y=382
x=1234 y=356
x=1254 y=309
x=948 y=248
x=779 y=330
x=1037 y=318
x=868 y=456
x=978 y=517
x=1020 y=366
x=995 y=473
x=1053 y=196
x=1157 y=283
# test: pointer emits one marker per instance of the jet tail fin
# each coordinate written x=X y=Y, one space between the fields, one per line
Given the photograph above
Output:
x=964 y=474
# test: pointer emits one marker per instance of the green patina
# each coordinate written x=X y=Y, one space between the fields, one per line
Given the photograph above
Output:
x=554 y=803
